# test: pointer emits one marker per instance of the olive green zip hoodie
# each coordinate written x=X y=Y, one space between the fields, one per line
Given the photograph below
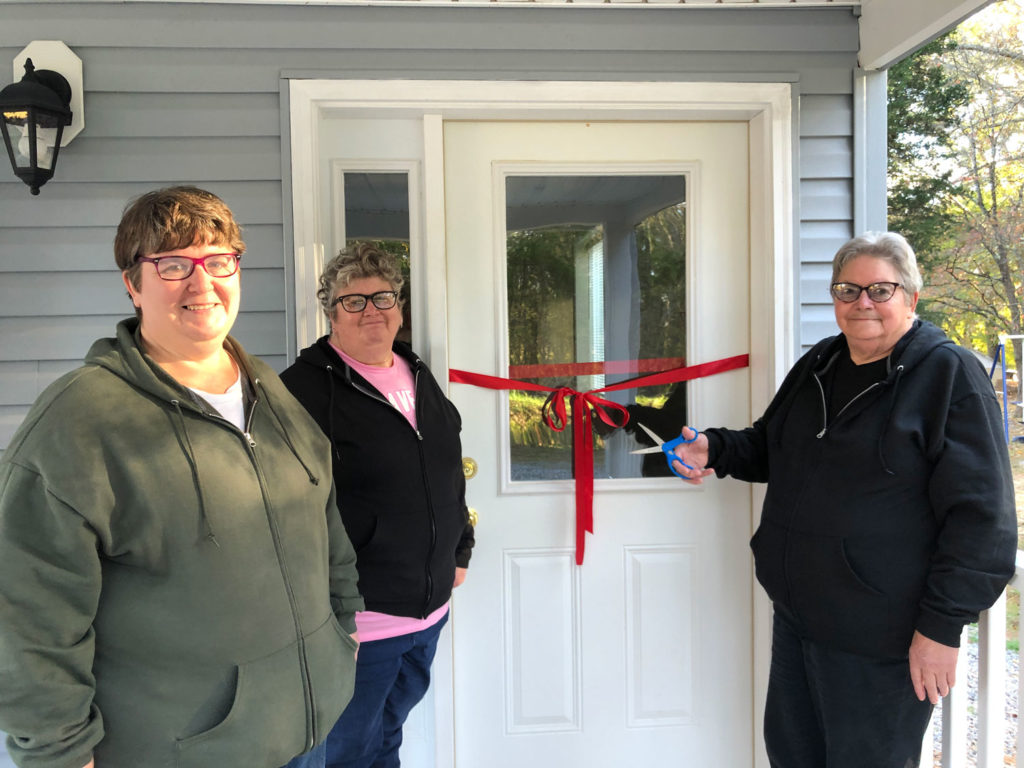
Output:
x=173 y=592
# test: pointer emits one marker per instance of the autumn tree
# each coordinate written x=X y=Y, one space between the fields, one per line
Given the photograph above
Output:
x=922 y=110
x=975 y=279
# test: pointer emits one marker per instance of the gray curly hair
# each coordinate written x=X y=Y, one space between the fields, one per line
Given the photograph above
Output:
x=354 y=263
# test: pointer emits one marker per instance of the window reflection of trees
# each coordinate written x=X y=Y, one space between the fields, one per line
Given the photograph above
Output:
x=542 y=296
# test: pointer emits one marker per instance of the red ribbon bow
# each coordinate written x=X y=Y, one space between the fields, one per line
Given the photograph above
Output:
x=555 y=416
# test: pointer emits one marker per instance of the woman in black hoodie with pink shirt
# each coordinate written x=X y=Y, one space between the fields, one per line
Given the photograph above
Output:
x=397 y=461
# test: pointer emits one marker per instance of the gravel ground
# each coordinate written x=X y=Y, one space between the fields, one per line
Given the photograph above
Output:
x=1009 y=744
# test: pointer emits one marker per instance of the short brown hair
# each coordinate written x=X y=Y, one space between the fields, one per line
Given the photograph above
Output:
x=171 y=218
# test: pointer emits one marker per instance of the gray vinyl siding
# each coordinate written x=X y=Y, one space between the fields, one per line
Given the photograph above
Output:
x=826 y=201
x=192 y=94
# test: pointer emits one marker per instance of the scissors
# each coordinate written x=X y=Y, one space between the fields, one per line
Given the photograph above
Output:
x=666 y=448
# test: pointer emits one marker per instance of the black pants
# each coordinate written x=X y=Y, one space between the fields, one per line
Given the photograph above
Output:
x=832 y=709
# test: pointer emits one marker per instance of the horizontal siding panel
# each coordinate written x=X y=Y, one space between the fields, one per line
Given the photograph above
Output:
x=153 y=115
x=826 y=80
x=53 y=338
x=815 y=280
x=826 y=116
x=97 y=293
x=19 y=383
x=817 y=321
x=50 y=249
x=91 y=203
x=164 y=73
x=10 y=420
x=819 y=240
x=826 y=199
x=198 y=159
x=46 y=248
x=22 y=382
x=261 y=333
x=58 y=338
x=826 y=158
x=211 y=27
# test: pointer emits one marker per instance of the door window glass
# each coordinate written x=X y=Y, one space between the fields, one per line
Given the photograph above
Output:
x=596 y=275
x=377 y=211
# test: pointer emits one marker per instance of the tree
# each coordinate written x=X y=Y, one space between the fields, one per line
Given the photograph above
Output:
x=924 y=100
x=975 y=276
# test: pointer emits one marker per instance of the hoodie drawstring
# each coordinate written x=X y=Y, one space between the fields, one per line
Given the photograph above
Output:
x=193 y=465
x=888 y=416
x=313 y=479
x=330 y=411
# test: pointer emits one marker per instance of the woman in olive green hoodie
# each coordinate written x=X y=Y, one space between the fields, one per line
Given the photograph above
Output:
x=176 y=585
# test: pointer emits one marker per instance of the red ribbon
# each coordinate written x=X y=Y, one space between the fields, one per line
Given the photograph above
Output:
x=555 y=416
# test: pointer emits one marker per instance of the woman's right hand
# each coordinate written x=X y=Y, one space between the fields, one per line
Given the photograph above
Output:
x=695 y=454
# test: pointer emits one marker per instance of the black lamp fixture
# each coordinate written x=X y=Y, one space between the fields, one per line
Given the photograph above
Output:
x=33 y=115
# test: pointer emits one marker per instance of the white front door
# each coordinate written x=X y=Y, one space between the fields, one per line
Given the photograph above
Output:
x=642 y=655
x=655 y=649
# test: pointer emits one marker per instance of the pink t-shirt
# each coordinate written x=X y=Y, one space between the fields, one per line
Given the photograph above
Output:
x=398 y=385
x=396 y=382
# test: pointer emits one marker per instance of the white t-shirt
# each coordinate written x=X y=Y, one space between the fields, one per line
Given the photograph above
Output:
x=229 y=404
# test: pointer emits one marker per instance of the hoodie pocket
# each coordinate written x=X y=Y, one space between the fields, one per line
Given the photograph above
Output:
x=268 y=722
x=769 y=547
x=331 y=655
x=834 y=602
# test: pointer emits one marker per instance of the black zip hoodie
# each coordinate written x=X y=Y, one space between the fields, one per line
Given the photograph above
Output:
x=896 y=515
x=401 y=491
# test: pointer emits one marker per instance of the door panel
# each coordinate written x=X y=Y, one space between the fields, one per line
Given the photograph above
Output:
x=642 y=654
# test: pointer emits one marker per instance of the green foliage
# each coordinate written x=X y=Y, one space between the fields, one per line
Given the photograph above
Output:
x=528 y=428
x=548 y=278
x=956 y=174
x=974 y=272
x=660 y=239
x=923 y=104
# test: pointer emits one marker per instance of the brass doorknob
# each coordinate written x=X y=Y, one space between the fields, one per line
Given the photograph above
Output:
x=469 y=467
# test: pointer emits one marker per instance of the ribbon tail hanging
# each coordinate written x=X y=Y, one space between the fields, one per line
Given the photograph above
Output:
x=583 y=470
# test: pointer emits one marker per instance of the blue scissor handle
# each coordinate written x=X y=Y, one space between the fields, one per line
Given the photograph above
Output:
x=670 y=456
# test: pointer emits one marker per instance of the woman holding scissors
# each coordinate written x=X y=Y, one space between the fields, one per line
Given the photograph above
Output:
x=888 y=522
x=401 y=490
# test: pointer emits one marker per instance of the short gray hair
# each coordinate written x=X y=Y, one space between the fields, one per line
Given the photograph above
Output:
x=891 y=247
x=354 y=263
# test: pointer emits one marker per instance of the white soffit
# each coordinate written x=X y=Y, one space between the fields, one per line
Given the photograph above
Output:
x=892 y=29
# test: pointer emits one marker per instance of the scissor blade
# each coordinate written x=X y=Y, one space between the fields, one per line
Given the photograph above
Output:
x=657 y=440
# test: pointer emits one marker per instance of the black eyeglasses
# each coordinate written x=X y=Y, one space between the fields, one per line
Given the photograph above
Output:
x=356 y=302
x=182 y=267
x=877 y=292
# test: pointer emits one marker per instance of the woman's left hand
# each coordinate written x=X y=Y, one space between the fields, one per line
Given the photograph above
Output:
x=460 y=576
x=932 y=668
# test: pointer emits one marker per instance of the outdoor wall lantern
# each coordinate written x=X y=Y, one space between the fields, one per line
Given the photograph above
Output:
x=36 y=110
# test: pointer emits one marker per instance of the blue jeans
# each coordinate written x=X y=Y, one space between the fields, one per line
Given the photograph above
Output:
x=392 y=675
x=312 y=759
x=831 y=709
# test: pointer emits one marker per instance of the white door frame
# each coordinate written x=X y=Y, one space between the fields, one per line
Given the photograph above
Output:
x=766 y=107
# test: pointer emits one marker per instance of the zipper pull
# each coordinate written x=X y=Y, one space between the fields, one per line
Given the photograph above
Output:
x=252 y=443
